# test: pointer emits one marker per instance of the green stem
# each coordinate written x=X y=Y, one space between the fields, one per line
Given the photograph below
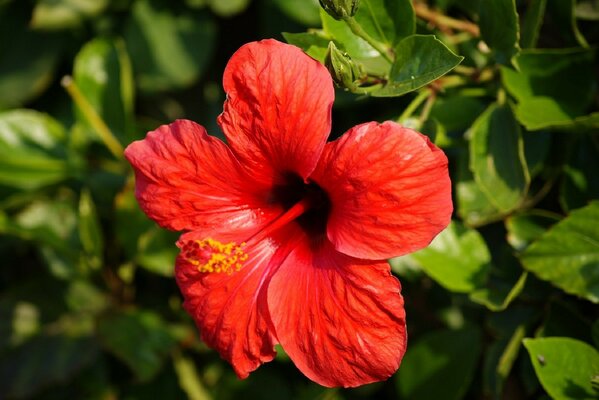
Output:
x=413 y=106
x=92 y=117
x=385 y=51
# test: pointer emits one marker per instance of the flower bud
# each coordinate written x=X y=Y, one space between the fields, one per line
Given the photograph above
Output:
x=340 y=9
x=345 y=72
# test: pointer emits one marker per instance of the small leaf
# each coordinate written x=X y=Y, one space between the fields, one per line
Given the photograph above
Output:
x=32 y=150
x=420 y=59
x=497 y=157
x=568 y=254
x=448 y=357
x=458 y=258
x=168 y=50
x=564 y=366
x=499 y=28
x=140 y=339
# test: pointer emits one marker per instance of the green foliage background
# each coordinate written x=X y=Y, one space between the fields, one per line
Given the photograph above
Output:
x=502 y=304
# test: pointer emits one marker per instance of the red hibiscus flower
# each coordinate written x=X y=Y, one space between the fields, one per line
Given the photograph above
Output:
x=286 y=234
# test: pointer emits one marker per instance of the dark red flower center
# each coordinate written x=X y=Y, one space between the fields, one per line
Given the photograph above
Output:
x=293 y=191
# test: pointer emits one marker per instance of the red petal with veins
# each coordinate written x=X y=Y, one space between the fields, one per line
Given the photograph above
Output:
x=341 y=320
x=389 y=189
x=230 y=310
x=186 y=180
x=277 y=115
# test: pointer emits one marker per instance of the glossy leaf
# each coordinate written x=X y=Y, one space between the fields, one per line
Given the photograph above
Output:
x=499 y=28
x=32 y=150
x=419 y=60
x=458 y=258
x=497 y=157
x=139 y=339
x=447 y=356
x=102 y=71
x=526 y=227
x=564 y=366
x=168 y=50
x=568 y=254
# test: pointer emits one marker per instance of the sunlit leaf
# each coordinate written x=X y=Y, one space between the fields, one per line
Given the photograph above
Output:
x=419 y=59
x=499 y=28
x=458 y=258
x=61 y=14
x=564 y=366
x=568 y=254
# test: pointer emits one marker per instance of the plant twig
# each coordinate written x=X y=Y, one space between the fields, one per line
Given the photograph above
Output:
x=443 y=21
x=92 y=117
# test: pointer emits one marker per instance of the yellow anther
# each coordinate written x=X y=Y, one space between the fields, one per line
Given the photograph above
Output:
x=210 y=255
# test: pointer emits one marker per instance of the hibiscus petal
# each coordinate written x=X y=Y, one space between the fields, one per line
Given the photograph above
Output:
x=341 y=320
x=186 y=180
x=277 y=115
x=230 y=309
x=389 y=189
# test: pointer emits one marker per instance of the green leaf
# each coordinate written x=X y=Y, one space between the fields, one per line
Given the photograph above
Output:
x=562 y=13
x=457 y=113
x=531 y=25
x=139 y=338
x=32 y=150
x=497 y=157
x=312 y=43
x=440 y=365
x=580 y=181
x=499 y=28
x=458 y=258
x=526 y=227
x=28 y=59
x=61 y=14
x=43 y=361
x=169 y=51
x=103 y=73
x=587 y=10
x=498 y=297
x=420 y=59
x=387 y=21
x=90 y=231
x=564 y=366
x=473 y=205
x=552 y=88
x=228 y=8
x=306 y=12
x=568 y=254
